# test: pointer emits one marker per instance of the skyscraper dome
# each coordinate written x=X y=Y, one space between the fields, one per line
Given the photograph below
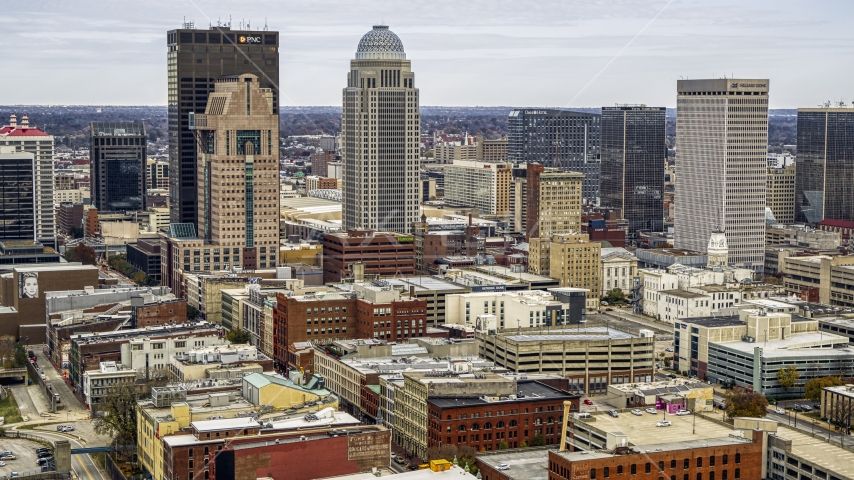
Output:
x=380 y=43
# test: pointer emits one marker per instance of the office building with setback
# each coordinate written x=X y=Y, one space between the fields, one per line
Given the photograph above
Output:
x=380 y=137
x=195 y=59
x=118 y=165
x=632 y=169
x=722 y=133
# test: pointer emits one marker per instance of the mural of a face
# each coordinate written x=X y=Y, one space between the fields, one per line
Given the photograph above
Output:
x=31 y=287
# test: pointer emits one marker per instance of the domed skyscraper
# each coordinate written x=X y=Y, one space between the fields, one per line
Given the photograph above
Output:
x=380 y=142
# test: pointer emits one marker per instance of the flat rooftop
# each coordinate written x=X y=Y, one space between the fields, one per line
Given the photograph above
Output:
x=642 y=430
x=789 y=347
x=586 y=333
x=667 y=386
x=683 y=293
x=713 y=322
x=819 y=452
x=527 y=390
x=524 y=464
x=662 y=447
x=424 y=283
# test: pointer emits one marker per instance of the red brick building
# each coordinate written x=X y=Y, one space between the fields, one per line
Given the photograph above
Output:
x=535 y=413
x=432 y=246
x=368 y=311
x=715 y=459
x=303 y=455
x=381 y=253
x=160 y=313
x=843 y=227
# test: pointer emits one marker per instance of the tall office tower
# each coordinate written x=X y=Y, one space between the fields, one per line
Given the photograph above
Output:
x=32 y=140
x=632 y=176
x=117 y=165
x=825 y=166
x=557 y=138
x=780 y=192
x=239 y=170
x=195 y=59
x=380 y=140
x=722 y=140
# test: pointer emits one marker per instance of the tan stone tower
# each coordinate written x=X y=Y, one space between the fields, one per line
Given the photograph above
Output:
x=380 y=145
x=238 y=171
x=718 y=251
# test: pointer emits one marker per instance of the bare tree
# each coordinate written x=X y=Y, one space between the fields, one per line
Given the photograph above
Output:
x=7 y=349
x=841 y=412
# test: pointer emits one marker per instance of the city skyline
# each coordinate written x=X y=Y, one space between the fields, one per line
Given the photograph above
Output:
x=552 y=54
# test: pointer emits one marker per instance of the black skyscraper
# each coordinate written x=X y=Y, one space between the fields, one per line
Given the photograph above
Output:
x=117 y=165
x=824 y=173
x=195 y=59
x=557 y=138
x=632 y=171
x=17 y=196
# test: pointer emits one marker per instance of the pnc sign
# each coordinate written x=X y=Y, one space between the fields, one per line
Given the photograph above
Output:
x=249 y=39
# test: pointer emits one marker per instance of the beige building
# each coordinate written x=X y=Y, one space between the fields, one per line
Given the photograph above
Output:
x=238 y=178
x=722 y=134
x=780 y=193
x=619 y=268
x=75 y=195
x=554 y=201
x=380 y=137
x=410 y=404
x=492 y=151
x=572 y=259
x=820 y=278
x=485 y=186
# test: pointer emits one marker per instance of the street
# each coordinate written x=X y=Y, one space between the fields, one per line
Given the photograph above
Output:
x=83 y=465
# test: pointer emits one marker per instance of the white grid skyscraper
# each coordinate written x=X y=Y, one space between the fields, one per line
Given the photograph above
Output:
x=380 y=137
x=721 y=145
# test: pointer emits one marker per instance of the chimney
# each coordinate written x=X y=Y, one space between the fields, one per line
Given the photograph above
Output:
x=25 y=121
x=13 y=120
x=412 y=291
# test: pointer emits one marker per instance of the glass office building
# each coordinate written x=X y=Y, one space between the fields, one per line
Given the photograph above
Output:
x=557 y=138
x=117 y=152
x=632 y=165
x=824 y=177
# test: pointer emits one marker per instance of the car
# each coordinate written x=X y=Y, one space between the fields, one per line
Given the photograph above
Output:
x=587 y=401
x=780 y=411
x=668 y=349
x=65 y=428
x=652 y=411
x=44 y=461
x=2 y=463
x=9 y=457
x=40 y=449
x=613 y=413
x=672 y=375
x=7 y=452
x=413 y=467
x=398 y=460
x=663 y=423
x=637 y=412
x=683 y=412
x=609 y=309
x=14 y=474
x=393 y=456
x=816 y=406
x=44 y=454
x=502 y=466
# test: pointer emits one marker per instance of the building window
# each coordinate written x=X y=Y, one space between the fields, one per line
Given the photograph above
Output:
x=606 y=472
x=619 y=469
x=712 y=461
x=592 y=474
x=737 y=461
x=737 y=473
x=699 y=462
x=634 y=469
x=685 y=465
x=699 y=476
x=725 y=460
x=647 y=467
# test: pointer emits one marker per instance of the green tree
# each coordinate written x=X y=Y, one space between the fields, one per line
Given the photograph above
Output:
x=7 y=349
x=741 y=402
x=524 y=444
x=502 y=445
x=83 y=254
x=118 y=405
x=140 y=278
x=20 y=355
x=538 y=441
x=668 y=361
x=812 y=389
x=75 y=232
x=192 y=312
x=237 y=336
x=615 y=296
x=788 y=376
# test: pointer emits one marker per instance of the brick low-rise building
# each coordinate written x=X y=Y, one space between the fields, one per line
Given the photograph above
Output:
x=381 y=254
x=533 y=415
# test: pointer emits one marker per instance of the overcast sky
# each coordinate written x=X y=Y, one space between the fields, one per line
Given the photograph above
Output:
x=478 y=52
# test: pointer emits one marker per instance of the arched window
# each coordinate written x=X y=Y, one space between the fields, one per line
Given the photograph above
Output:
x=592 y=474
x=499 y=424
x=606 y=472
x=475 y=426
x=514 y=423
x=487 y=426
x=551 y=420
x=449 y=417
x=462 y=428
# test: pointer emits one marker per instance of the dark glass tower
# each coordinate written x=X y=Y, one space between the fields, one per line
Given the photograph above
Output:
x=557 y=138
x=824 y=174
x=17 y=196
x=632 y=170
x=195 y=59
x=117 y=172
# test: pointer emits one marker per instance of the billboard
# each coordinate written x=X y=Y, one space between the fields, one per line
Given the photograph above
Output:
x=28 y=285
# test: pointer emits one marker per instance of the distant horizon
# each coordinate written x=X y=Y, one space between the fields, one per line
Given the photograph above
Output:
x=477 y=53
